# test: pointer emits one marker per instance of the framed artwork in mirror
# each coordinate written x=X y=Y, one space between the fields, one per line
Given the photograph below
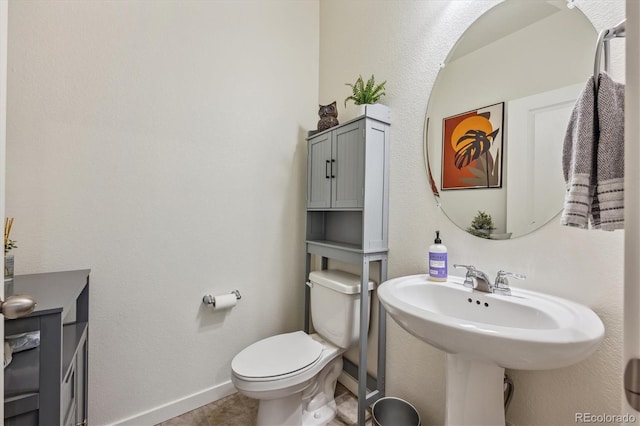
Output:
x=472 y=149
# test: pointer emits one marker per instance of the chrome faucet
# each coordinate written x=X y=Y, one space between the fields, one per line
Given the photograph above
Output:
x=478 y=280
x=502 y=283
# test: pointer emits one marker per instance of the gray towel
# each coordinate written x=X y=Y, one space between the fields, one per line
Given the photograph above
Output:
x=593 y=158
x=578 y=157
x=610 y=160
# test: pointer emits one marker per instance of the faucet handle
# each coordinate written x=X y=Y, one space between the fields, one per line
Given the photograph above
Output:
x=502 y=281
x=468 y=281
x=469 y=267
x=501 y=278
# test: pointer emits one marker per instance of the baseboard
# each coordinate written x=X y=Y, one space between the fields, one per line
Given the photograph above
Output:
x=352 y=369
x=179 y=406
x=348 y=382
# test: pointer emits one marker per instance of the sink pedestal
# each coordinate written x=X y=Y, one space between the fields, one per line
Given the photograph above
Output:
x=475 y=392
x=484 y=333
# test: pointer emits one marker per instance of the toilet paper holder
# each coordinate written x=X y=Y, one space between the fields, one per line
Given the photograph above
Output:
x=211 y=300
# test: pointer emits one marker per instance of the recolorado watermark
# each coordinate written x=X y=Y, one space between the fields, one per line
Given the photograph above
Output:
x=605 y=418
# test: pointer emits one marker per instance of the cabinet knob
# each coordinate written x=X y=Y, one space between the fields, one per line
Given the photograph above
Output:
x=17 y=306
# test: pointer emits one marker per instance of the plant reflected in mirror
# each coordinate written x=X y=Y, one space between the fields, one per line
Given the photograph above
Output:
x=481 y=225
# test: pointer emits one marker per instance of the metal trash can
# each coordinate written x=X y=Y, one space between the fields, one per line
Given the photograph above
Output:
x=390 y=411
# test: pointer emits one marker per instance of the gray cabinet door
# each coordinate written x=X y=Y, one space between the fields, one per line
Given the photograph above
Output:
x=347 y=185
x=319 y=172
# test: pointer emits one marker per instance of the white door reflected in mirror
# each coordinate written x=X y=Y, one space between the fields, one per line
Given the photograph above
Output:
x=536 y=186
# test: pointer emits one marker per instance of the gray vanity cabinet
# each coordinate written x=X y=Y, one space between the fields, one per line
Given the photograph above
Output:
x=336 y=168
x=47 y=385
x=347 y=217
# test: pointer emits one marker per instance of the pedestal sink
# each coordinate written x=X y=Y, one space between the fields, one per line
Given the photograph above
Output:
x=484 y=333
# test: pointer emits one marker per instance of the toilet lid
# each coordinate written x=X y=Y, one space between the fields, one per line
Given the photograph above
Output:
x=277 y=355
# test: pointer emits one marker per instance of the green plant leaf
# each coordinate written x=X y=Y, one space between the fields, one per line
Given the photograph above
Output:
x=370 y=84
x=368 y=93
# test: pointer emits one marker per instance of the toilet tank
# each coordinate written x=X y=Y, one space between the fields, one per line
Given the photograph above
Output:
x=335 y=306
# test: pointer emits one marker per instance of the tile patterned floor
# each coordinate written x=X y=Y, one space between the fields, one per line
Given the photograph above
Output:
x=239 y=410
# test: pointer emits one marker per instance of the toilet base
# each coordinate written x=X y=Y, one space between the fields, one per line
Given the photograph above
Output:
x=314 y=406
x=285 y=411
x=288 y=412
x=321 y=416
x=318 y=399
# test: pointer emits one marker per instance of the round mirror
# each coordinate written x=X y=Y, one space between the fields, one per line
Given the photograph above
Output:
x=498 y=113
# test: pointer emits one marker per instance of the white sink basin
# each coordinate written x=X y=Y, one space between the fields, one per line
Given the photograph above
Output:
x=485 y=333
x=526 y=330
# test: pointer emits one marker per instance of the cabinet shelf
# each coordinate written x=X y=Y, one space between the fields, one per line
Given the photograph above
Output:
x=355 y=209
x=356 y=248
x=20 y=404
x=347 y=247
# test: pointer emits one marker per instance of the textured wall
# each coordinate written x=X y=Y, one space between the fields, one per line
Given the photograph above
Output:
x=403 y=42
x=162 y=145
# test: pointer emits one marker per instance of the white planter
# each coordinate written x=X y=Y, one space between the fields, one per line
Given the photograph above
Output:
x=376 y=111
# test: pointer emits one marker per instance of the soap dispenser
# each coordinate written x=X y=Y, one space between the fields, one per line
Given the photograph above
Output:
x=437 y=260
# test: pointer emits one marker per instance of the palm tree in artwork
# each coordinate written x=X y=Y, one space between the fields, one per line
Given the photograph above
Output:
x=474 y=144
x=486 y=172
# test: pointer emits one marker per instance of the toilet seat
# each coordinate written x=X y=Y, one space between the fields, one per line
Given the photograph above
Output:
x=277 y=357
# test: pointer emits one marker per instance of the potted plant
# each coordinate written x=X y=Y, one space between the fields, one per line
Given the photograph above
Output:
x=366 y=95
x=481 y=225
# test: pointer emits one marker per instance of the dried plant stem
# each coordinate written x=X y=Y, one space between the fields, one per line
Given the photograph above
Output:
x=8 y=224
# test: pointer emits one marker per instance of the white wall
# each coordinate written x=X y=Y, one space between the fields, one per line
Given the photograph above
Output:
x=404 y=42
x=161 y=144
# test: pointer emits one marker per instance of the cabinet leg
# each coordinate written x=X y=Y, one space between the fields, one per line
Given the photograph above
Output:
x=364 y=334
x=307 y=296
x=382 y=334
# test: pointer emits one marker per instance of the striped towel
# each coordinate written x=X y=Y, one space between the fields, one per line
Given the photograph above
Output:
x=593 y=158
x=610 y=160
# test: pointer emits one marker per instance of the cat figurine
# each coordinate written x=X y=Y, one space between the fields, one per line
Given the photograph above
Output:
x=328 y=116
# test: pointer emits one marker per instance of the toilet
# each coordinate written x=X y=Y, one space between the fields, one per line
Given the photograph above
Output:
x=294 y=375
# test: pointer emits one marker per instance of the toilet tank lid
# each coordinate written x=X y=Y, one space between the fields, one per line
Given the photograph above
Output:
x=341 y=281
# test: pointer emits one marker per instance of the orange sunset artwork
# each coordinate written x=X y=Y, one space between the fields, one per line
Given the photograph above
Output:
x=472 y=149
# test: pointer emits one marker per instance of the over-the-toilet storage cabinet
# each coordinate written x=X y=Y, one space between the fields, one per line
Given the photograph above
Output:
x=347 y=217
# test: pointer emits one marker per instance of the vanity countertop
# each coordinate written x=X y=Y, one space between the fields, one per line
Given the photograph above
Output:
x=52 y=291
